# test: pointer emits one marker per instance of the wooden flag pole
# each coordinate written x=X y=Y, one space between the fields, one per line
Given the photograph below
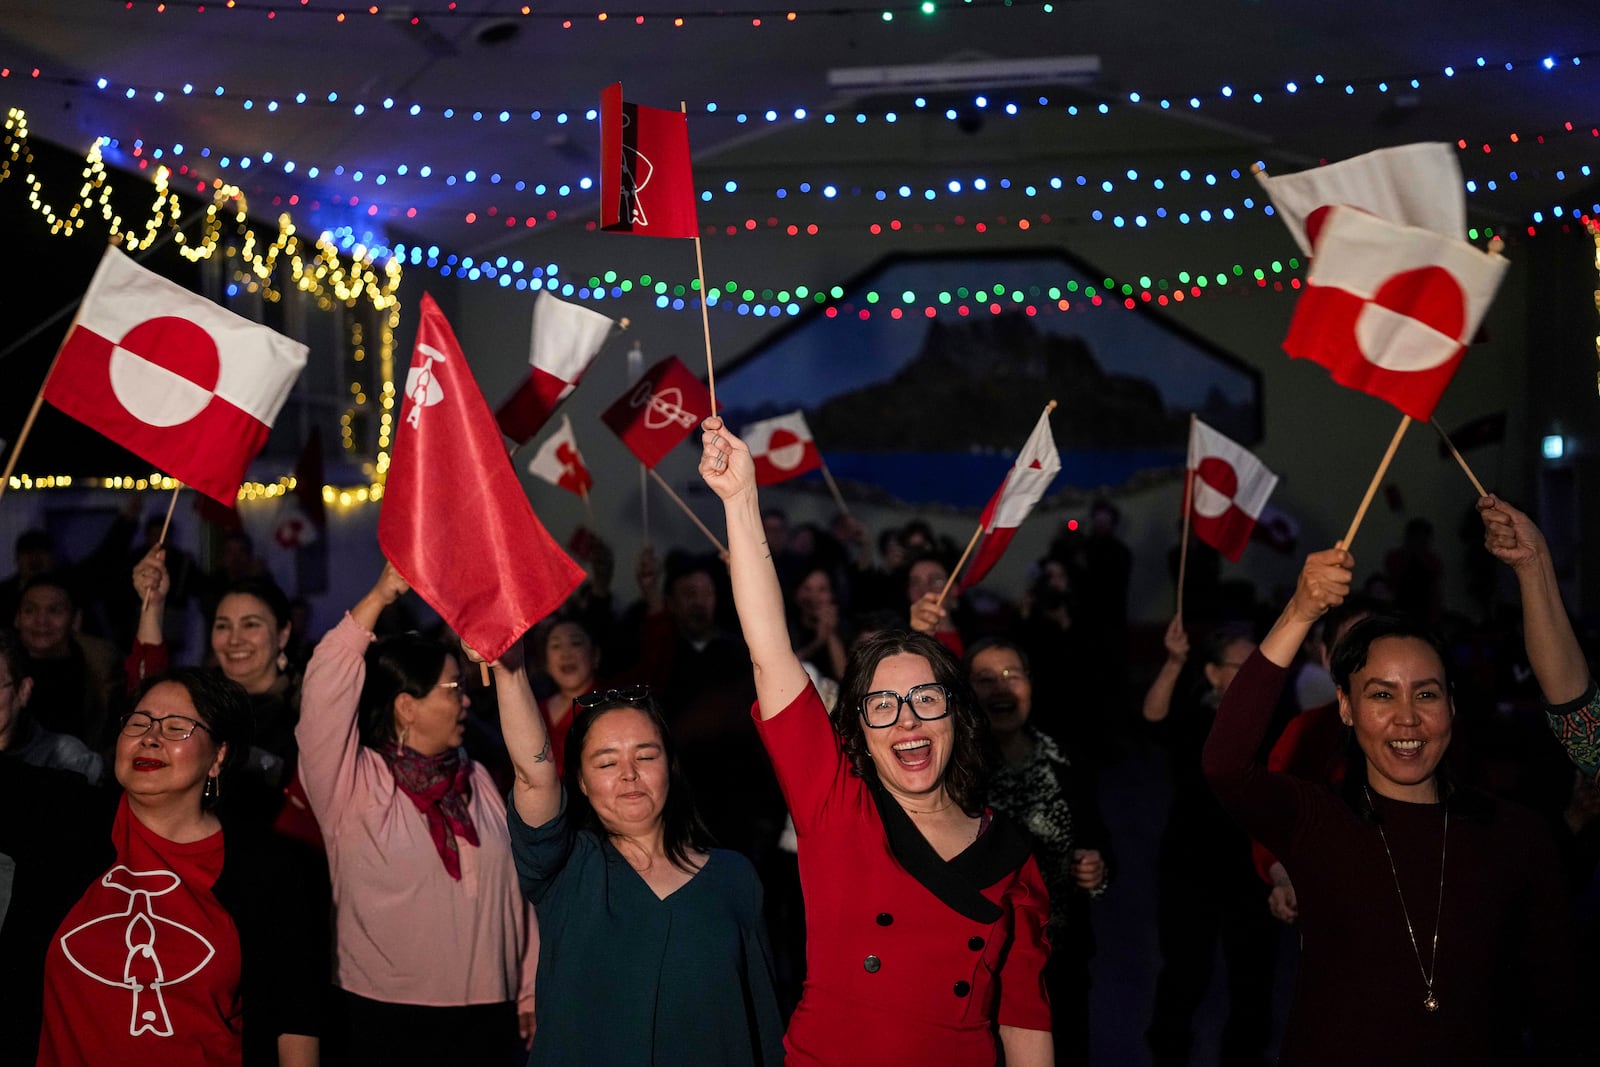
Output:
x=588 y=508
x=833 y=487
x=662 y=482
x=166 y=524
x=1451 y=445
x=962 y=562
x=635 y=372
x=1188 y=508
x=27 y=425
x=1377 y=477
x=705 y=314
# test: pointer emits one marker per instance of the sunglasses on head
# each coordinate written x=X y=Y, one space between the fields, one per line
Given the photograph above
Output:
x=634 y=696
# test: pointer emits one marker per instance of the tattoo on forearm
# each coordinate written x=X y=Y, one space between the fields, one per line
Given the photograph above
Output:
x=544 y=753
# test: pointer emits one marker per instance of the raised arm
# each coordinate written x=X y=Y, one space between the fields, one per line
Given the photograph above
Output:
x=726 y=466
x=1158 y=698
x=148 y=657
x=1554 y=654
x=536 y=792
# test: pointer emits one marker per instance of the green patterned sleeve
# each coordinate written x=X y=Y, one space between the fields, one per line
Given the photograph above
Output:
x=1577 y=726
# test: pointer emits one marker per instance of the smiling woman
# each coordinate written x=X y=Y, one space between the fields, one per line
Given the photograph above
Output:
x=1433 y=920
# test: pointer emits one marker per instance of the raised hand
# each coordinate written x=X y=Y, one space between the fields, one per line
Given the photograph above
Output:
x=1324 y=582
x=150 y=578
x=1176 y=641
x=1509 y=535
x=1088 y=868
x=725 y=461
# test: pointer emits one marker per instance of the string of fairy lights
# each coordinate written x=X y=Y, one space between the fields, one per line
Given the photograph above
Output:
x=317 y=268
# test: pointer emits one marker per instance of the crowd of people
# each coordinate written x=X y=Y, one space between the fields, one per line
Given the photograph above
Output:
x=800 y=804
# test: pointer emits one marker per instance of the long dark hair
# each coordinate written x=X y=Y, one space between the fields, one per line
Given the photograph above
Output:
x=682 y=830
x=965 y=774
x=400 y=663
x=1350 y=656
x=220 y=704
x=263 y=589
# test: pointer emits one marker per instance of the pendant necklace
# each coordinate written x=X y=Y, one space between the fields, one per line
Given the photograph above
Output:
x=1429 y=1002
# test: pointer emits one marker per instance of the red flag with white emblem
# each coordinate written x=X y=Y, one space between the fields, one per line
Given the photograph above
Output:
x=559 y=462
x=1228 y=487
x=173 y=377
x=1030 y=476
x=455 y=522
x=1412 y=185
x=782 y=448
x=646 y=183
x=659 y=410
x=566 y=338
x=1389 y=309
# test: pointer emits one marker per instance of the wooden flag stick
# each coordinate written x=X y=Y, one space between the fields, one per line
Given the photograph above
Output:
x=662 y=482
x=1451 y=445
x=1377 y=477
x=1188 y=507
x=705 y=314
x=588 y=508
x=27 y=426
x=956 y=571
x=833 y=487
x=166 y=523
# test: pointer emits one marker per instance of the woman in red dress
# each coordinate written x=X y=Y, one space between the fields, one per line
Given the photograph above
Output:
x=925 y=912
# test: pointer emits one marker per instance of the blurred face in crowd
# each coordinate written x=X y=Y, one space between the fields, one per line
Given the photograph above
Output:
x=571 y=658
x=1400 y=710
x=45 y=620
x=814 y=591
x=1220 y=675
x=910 y=755
x=623 y=772
x=926 y=576
x=247 y=640
x=152 y=765
x=435 y=722
x=692 y=602
x=1001 y=684
x=13 y=698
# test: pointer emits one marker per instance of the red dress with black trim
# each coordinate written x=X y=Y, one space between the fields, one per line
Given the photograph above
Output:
x=909 y=958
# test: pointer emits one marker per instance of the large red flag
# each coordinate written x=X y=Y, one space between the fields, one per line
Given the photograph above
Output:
x=1227 y=488
x=782 y=448
x=165 y=373
x=659 y=411
x=455 y=522
x=1030 y=476
x=1389 y=309
x=566 y=338
x=646 y=182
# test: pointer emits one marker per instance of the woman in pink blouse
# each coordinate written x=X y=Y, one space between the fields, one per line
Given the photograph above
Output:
x=434 y=955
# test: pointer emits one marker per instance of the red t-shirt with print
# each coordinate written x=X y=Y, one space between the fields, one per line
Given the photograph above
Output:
x=145 y=968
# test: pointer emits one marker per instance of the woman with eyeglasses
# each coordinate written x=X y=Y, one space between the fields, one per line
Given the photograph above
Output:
x=433 y=936
x=188 y=950
x=925 y=912
x=652 y=947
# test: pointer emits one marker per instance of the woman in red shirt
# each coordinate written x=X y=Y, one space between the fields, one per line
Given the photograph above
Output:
x=925 y=913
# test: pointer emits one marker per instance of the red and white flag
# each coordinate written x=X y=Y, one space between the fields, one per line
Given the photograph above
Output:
x=455 y=522
x=1227 y=488
x=559 y=462
x=1030 y=476
x=1389 y=309
x=566 y=338
x=1411 y=185
x=183 y=382
x=646 y=182
x=659 y=410
x=782 y=448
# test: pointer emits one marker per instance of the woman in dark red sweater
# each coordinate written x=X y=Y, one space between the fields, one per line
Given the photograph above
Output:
x=1435 y=928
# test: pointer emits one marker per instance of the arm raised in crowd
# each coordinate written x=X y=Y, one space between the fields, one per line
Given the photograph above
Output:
x=536 y=792
x=1553 y=650
x=727 y=468
x=1158 y=698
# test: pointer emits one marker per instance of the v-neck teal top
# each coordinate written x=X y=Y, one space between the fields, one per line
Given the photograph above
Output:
x=630 y=979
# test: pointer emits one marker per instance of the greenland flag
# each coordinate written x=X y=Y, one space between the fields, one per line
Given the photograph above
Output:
x=559 y=462
x=182 y=382
x=1228 y=487
x=1028 y=479
x=1412 y=185
x=1389 y=309
x=782 y=448
x=566 y=338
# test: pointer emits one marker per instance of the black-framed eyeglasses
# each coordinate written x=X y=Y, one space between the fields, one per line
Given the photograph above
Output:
x=636 y=696
x=172 y=727
x=928 y=702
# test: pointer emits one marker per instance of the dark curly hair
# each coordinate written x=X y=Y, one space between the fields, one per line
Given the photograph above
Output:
x=682 y=829
x=400 y=663
x=966 y=772
x=220 y=704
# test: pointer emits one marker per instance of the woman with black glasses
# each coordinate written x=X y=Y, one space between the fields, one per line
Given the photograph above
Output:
x=186 y=950
x=652 y=947
x=433 y=937
x=925 y=913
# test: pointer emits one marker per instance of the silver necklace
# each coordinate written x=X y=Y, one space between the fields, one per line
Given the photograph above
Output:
x=1429 y=1002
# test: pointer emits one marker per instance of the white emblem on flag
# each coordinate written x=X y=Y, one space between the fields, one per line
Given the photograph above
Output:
x=422 y=388
x=661 y=409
